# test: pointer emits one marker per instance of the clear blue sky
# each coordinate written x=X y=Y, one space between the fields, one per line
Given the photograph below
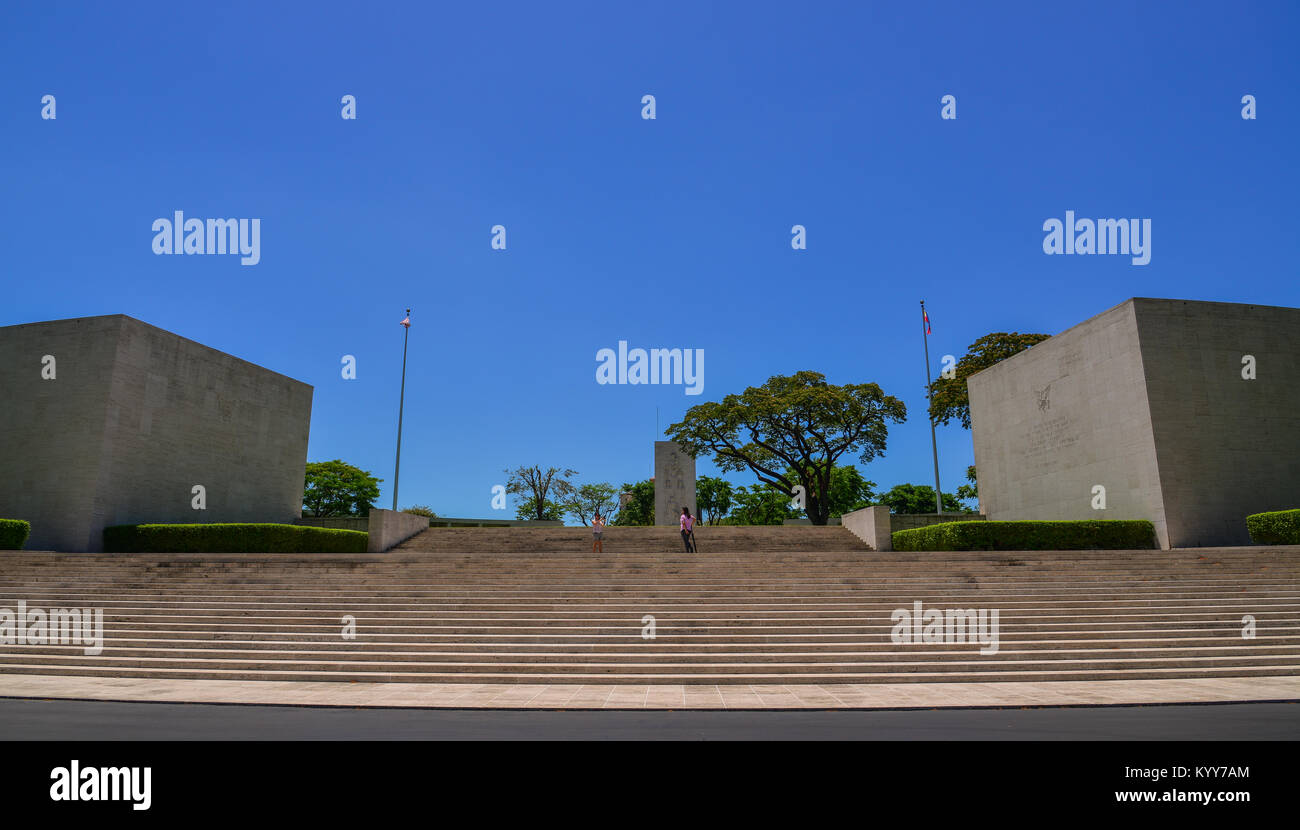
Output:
x=666 y=233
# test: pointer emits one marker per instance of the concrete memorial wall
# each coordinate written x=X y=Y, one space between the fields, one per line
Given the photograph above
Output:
x=108 y=420
x=1181 y=412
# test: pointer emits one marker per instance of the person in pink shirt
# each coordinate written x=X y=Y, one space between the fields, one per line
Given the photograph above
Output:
x=688 y=525
x=598 y=532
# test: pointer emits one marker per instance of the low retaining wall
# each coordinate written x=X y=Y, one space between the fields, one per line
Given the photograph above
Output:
x=388 y=528
x=871 y=525
x=875 y=525
x=360 y=523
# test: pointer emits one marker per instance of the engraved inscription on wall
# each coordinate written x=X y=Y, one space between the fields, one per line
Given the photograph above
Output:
x=1047 y=444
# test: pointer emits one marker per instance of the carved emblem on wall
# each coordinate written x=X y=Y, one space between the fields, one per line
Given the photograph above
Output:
x=1044 y=402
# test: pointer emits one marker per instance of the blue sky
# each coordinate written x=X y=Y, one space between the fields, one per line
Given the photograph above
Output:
x=673 y=232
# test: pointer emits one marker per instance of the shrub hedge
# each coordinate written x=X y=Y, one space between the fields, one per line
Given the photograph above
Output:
x=1108 y=534
x=231 y=538
x=14 y=533
x=1280 y=527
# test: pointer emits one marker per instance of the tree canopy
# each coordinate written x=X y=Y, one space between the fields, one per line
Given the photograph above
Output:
x=589 y=499
x=919 y=498
x=713 y=497
x=969 y=492
x=334 y=488
x=543 y=491
x=640 y=509
x=550 y=511
x=849 y=490
x=790 y=431
x=761 y=505
x=949 y=398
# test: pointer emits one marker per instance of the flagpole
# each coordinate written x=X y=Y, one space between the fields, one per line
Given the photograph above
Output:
x=401 y=404
x=929 y=394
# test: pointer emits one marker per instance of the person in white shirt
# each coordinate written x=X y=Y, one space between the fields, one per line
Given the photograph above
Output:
x=598 y=532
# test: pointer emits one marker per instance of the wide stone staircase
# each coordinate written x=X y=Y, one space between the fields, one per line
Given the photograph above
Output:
x=755 y=605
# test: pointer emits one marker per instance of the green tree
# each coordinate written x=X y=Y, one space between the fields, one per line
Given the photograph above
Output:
x=850 y=491
x=950 y=398
x=969 y=492
x=713 y=497
x=543 y=491
x=551 y=511
x=589 y=499
x=640 y=508
x=799 y=422
x=337 y=489
x=420 y=510
x=761 y=505
x=919 y=498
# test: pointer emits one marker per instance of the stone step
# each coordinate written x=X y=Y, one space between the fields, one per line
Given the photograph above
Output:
x=676 y=638
x=532 y=590
x=754 y=675
x=863 y=601
x=510 y=614
x=640 y=650
x=1119 y=606
x=965 y=658
x=732 y=628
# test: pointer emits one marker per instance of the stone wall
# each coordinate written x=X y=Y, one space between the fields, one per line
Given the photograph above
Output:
x=360 y=523
x=1065 y=415
x=134 y=418
x=1225 y=446
x=387 y=528
x=871 y=525
x=1147 y=401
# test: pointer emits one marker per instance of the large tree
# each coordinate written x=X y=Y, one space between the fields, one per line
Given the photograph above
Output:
x=790 y=431
x=761 y=504
x=640 y=507
x=337 y=489
x=713 y=498
x=919 y=498
x=541 y=490
x=551 y=511
x=950 y=398
x=849 y=490
x=589 y=499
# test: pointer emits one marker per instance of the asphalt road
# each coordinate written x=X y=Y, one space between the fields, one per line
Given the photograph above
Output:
x=63 y=720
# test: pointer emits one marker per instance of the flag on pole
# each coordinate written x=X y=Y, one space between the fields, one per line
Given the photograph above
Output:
x=406 y=322
x=926 y=317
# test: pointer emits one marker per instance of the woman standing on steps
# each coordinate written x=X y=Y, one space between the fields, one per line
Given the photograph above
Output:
x=597 y=532
x=688 y=525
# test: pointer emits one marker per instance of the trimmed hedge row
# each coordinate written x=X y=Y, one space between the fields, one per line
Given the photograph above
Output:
x=14 y=533
x=1279 y=527
x=231 y=538
x=1106 y=534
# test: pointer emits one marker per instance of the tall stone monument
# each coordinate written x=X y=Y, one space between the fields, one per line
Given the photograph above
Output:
x=674 y=483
